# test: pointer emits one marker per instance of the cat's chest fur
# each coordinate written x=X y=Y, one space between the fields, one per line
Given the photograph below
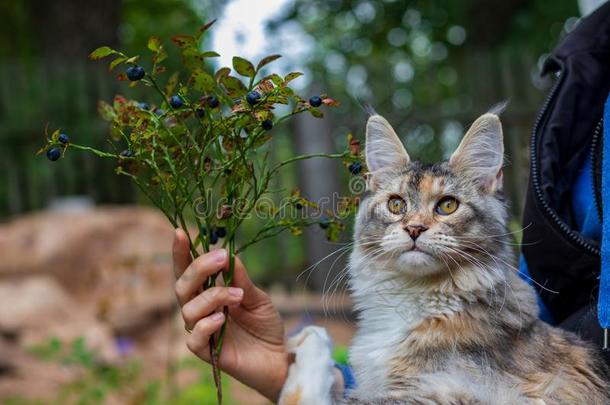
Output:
x=387 y=316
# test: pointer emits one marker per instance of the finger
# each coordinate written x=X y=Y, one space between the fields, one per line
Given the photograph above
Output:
x=241 y=279
x=181 y=252
x=198 y=340
x=206 y=302
x=197 y=272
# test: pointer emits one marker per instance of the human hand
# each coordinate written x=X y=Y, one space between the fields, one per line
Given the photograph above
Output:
x=253 y=350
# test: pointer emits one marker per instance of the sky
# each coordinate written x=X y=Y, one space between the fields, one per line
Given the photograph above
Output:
x=240 y=30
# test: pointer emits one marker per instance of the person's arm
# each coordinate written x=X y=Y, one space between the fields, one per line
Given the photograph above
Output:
x=253 y=351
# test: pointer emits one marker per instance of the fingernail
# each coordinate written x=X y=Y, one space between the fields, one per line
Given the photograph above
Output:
x=236 y=292
x=219 y=255
x=218 y=316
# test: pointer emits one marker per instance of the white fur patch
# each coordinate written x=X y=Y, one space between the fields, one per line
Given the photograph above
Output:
x=311 y=376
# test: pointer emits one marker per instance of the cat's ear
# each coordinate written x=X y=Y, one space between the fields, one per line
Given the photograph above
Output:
x=481 y=152
x=383 y=148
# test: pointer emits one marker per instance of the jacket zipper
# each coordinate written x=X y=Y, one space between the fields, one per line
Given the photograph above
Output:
x=574 y=236
x=595 y=143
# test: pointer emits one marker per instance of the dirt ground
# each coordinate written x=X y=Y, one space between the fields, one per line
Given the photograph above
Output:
x=105 y=275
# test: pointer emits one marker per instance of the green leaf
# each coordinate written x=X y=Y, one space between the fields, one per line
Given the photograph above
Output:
x=101 y=52
x=275 y=78
x=315 y=112
x=291 y=76
x=159 y=56
x=192 y=59
x=243 y=66
x=116 y=62
x=234 y=86
x=171 y=84
x=210 y=54
x=202 y=81
x=133 y=59
x=105 y=110
x=222 y=73
x=267 y=60
x=154 y=44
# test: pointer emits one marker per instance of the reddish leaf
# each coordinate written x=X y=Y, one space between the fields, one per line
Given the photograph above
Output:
x=184 y=41
x=203 y=29
x=330 y=102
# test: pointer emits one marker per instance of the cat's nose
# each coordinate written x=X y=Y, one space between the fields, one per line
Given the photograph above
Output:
x=415 y=230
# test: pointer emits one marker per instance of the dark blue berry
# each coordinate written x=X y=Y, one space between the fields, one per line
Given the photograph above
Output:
x=315 y=101
x=267 y=125
x=53 y=153
x=144 y=106
x=355 y=168
x=253 y=97
x=213 y=102
x=159 y=112
x=135 y=73
x=324 y=223
x=221 y=232
x=298 y=206
x=63 y=138
x=200 y=112
x=126 y=153
x=213 y=238
x=176 y=101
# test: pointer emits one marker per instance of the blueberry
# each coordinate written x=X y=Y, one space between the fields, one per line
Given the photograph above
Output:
x=253 y=97
x=63 y=138
x=126 y=153
x=53 y=153
x=200 y=112
x=324 y=223
x=144 y=106
x=298 y=206
x=221 y=232
x=355 y=168
x=315 y=101
x=159 y=112
x=176 y=101
x=267 y=125
x=135 y=73
x=213 y=238
x=213 y=102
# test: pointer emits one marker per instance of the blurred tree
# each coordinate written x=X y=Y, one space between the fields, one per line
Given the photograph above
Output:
x=410 y=56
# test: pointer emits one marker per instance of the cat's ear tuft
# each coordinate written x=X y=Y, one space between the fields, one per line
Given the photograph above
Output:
x=481 y=152
x=383 y=147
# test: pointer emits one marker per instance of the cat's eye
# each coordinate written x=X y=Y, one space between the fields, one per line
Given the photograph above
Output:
x=396 y=205
x=447 y=206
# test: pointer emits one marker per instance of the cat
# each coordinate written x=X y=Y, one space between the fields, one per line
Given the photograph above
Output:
x=443 y=316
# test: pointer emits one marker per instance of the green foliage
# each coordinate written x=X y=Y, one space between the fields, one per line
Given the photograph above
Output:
x=98 y=381
x=340 y=354
x=202 y=151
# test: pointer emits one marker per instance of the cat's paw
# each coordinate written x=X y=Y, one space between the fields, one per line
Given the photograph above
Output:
x=311 y=376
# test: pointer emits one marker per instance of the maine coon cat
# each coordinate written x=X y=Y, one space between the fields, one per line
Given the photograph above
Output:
x=443 y=317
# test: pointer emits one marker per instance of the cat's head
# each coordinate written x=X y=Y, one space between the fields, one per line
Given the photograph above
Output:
x=424 y=220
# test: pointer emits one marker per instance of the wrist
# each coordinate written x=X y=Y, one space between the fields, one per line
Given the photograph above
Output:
x=275 y=381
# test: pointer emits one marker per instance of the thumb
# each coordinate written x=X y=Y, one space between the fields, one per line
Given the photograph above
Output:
x=252 y=294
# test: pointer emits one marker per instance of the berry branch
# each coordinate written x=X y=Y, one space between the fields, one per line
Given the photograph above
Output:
x=201 y=154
